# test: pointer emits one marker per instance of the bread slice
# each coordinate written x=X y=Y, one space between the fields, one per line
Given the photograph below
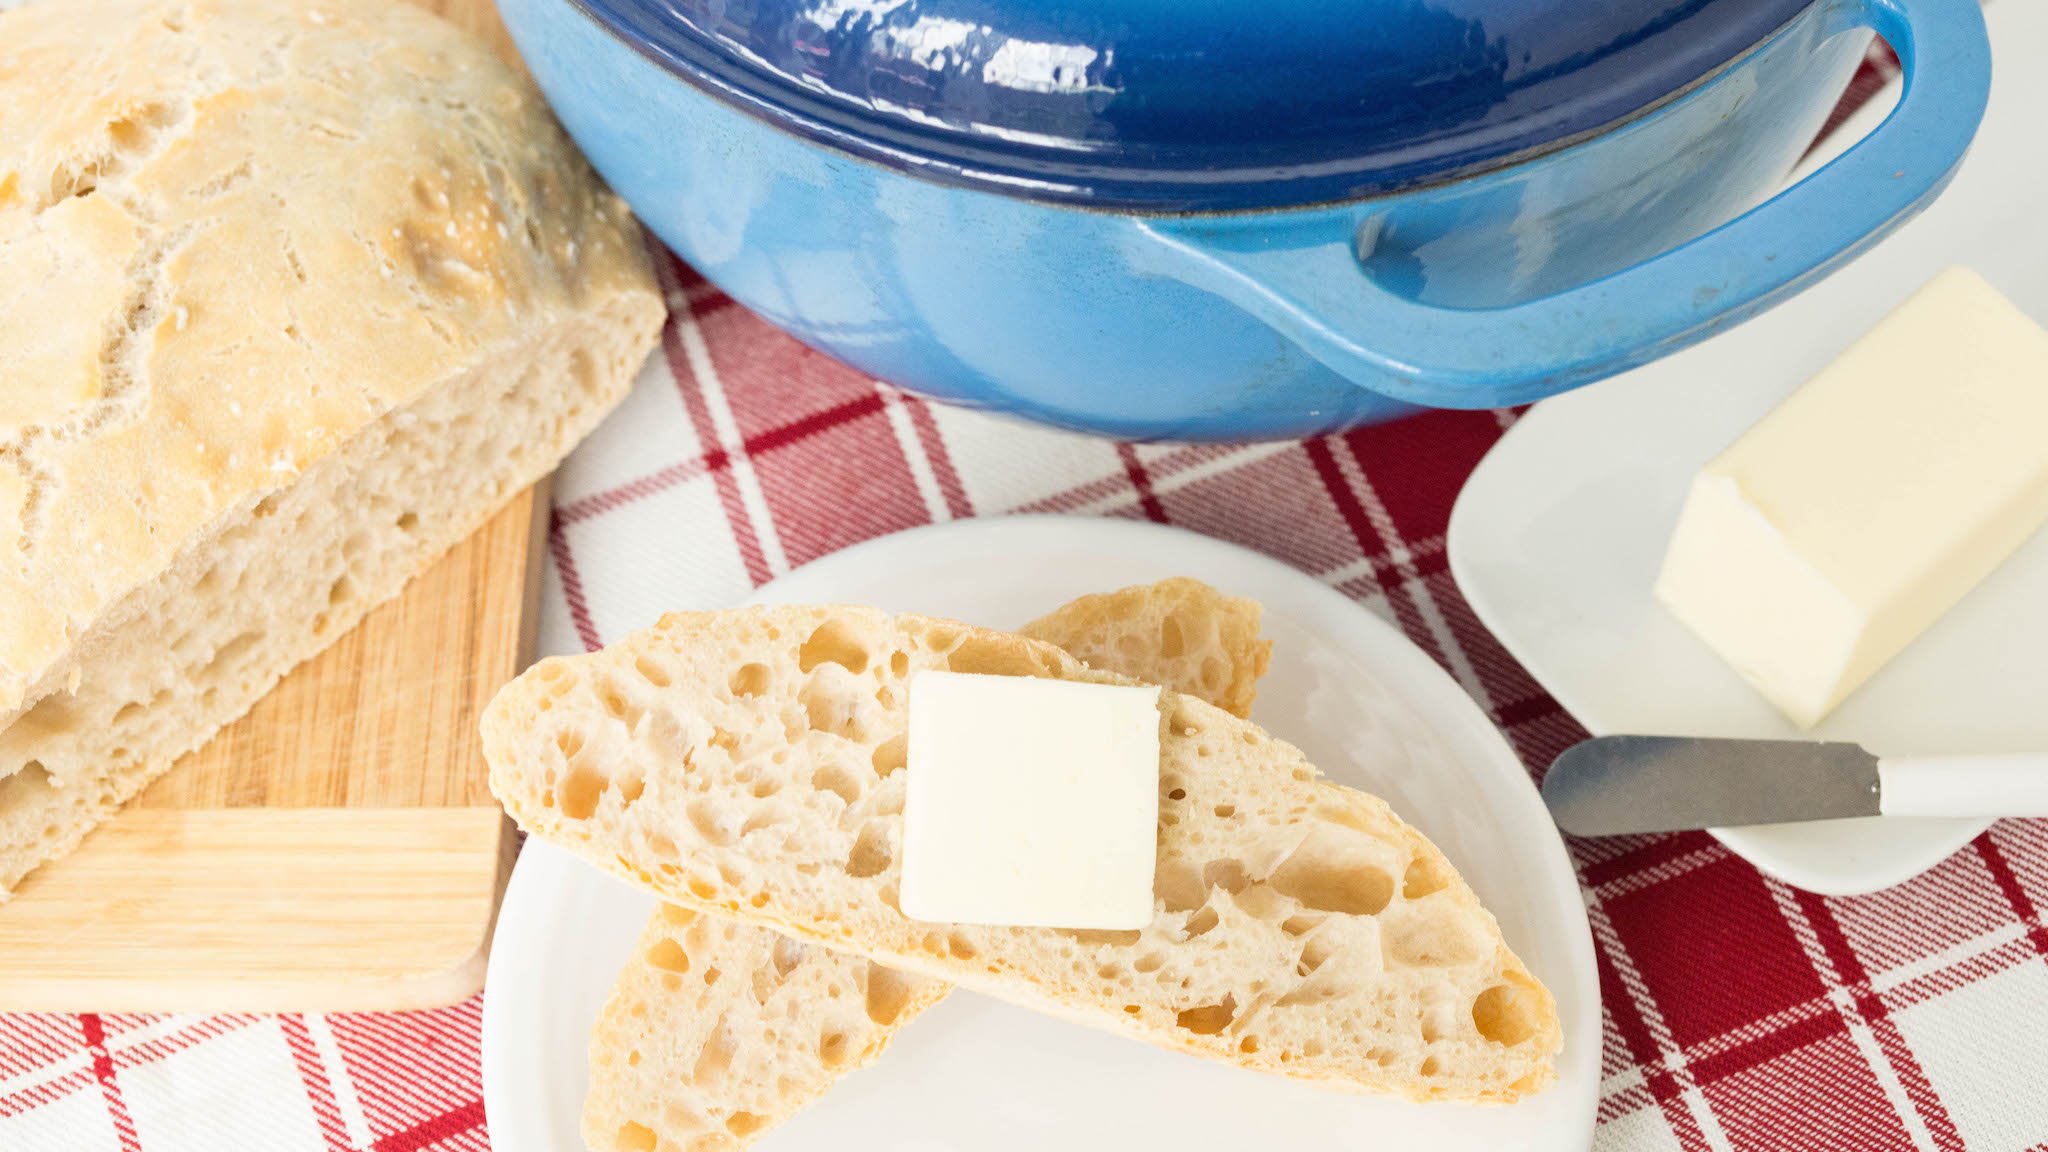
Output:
x=749 y=763
x=1179 y=633
x=716 y=1031
x=292 y=298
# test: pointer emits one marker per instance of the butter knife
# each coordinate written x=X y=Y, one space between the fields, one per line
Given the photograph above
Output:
x=1614 y=785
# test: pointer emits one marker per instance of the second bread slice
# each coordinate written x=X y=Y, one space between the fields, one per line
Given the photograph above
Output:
x=750 y=763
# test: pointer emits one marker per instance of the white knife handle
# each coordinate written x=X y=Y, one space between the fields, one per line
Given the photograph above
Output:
x=2014 y=785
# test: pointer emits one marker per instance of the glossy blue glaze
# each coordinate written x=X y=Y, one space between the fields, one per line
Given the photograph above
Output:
x=1500 y=287
x=1185 y=105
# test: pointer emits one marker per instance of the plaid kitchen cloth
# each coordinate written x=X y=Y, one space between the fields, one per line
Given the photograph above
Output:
x=1739 y=1013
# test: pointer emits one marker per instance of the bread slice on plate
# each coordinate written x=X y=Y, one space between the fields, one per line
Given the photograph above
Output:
x=292 y=298
x=749 y=763
x=716 y=1030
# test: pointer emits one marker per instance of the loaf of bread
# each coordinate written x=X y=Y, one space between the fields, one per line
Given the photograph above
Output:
x=292 y=297
x=716 y=1031
x=749 y=764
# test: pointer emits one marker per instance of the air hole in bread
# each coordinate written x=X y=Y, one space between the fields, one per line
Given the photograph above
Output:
x=581 y=788
x=750 y=679
x=712 y=975
x=837 y=779
x=888 y=992
x=744 y=1124
x=1177 y=794
x=994 y=656
x=1300 y=924
x=899 y=664
x=1228 y=875
x=1423 y=941
x=1178 y=886
x=1209 y=1019
x=633 y=1137
x=1314 y=951
x=870 y=855
x=1121 y=939
x=832 y=1049
x=24 y=786
x=1430 y=1067
x=709 y=821
x=960 y=947
x=668 y=956
x=716 y=1056
x=1330 y=873
x=1225 y=811
x=829 y=704
x=832 y=643
x=1149 y=962
x=651 y=671
x=1425 y=874
x=785 y=954
x=1505 y=1013
x=677 y=915
x=1260 y=901
x=891 y=754
x=1201 y=922
x=1248 y=1045
x=568 y=742
x=1171 y=642
x=631 y=786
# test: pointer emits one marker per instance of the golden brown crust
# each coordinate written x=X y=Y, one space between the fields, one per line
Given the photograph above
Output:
x=245 y=231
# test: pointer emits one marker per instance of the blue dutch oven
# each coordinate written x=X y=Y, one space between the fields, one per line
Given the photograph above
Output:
x=1228 y=219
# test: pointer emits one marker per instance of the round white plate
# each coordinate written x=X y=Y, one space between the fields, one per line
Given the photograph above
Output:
x=1369 y=709
x=1557 y=537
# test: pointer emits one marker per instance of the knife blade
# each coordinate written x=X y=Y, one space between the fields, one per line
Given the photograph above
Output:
x=1611 y=785
x=1614 y=785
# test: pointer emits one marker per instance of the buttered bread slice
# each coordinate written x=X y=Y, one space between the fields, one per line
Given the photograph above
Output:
x=715 y=1031
x=292 y=298
x=750 y=764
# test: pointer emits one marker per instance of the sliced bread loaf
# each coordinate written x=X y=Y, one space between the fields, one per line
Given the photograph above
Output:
x=291 y=299
x=749 y=763
x=716 y=1031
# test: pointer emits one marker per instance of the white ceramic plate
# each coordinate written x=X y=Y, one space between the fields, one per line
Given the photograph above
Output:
x=1557 y=537
x=1368 y=708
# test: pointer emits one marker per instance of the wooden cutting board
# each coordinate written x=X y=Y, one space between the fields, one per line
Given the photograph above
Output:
x=336 y=848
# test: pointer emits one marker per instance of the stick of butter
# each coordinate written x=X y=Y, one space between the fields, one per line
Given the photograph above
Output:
x=1030 y=802
x=1867 y=503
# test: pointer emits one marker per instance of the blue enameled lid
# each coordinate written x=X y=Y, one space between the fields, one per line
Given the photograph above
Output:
x=1193 y=105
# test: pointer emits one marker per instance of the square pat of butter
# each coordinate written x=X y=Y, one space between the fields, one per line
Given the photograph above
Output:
x=1030 y=802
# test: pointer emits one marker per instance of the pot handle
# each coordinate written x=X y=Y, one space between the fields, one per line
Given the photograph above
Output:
x=1312 y=288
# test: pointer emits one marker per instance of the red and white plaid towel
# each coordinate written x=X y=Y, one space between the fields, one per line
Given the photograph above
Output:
x=1740 y=1014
